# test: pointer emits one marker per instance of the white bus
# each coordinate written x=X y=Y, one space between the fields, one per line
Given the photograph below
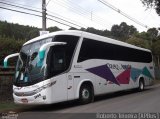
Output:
x=68 y=65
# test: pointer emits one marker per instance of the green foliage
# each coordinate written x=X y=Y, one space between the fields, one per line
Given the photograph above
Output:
x=153 y=34
x=123 y=31
x=72 y=28
x=143 y=35
x=98 y=32
x=12 y=36
x=16 y=31
x=156 y=47
x=10 y=106
x=53 y=29
x=139 y=42
x=152 y=4
x=9 y=46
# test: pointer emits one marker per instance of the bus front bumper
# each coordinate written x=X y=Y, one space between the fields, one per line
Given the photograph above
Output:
x=31 y=100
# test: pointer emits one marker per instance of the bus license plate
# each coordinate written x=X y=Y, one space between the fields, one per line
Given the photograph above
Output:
x=24 y=100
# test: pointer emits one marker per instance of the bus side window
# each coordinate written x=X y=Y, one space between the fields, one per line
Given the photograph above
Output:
x=57 y=60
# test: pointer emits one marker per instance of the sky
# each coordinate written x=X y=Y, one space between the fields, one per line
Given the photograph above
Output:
x=85 y=13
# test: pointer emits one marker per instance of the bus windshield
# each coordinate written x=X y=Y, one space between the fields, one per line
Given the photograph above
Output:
x=29 y=69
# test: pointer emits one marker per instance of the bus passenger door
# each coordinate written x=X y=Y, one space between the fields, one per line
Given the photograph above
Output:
x=57 y=70
x=70 y=88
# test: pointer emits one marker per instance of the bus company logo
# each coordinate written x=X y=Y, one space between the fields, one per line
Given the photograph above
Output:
x=118 y=67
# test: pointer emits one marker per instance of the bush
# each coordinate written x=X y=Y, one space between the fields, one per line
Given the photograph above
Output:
x=9 y=46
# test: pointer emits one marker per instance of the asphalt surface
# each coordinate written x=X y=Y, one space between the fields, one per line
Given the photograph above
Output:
x=131 y=101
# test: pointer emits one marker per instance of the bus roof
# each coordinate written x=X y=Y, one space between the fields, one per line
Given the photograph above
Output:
x=86 y=35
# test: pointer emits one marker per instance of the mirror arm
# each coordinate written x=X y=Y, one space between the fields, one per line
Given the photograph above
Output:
x=8 y=57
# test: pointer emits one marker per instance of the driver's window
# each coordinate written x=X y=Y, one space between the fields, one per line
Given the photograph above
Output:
x=57 y=60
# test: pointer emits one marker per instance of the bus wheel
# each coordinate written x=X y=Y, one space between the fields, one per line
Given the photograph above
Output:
x=86 y=94
x=141 y=85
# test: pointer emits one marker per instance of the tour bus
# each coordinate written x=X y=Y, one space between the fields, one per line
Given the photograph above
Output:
x=69 y=65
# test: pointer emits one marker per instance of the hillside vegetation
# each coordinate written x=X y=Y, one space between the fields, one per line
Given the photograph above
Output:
x=12 y=36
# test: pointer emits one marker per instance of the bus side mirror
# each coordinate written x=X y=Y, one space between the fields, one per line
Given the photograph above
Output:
x=44 y=47
x=5 y=62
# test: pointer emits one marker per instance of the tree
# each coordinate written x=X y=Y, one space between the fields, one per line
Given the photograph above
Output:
x=156 y=52
x=143 y=35
x=53 y=29
x=32 y=34
x=156 y=48
x=152 y=4
x=153 y=33
x=95 y=31
x=123 y=31
x=72 y=28
x=138 y=42
x=9 y=46
x=115 y=31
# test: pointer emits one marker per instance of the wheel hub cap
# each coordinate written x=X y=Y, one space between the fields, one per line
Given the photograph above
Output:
x=85 y=94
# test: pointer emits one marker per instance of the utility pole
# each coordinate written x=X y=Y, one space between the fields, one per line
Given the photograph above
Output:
x=44 y=15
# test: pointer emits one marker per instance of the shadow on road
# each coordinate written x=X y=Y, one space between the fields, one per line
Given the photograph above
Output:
x=119 y=94
x=70 y=104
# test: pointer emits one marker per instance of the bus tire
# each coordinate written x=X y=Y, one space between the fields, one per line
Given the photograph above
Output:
x=141 y=85
x=86 y=94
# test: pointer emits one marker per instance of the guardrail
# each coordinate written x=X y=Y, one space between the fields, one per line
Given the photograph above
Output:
x=7 y=71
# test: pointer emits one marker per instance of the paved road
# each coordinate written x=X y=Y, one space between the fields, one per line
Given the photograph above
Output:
x=120 y=102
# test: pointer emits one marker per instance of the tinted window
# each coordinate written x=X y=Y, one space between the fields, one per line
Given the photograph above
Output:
x=92 y=49
x=59 y=57
x=28 y=70
x=69 y=47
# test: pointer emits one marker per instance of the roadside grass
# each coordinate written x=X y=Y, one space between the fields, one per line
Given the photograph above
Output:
x=9 y=106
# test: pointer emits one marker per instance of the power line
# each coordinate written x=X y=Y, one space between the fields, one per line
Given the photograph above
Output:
x=48 y=3
x=99 y=20
x=63 y=4
x=85 y=14
x=37 y=16
x=39 y=12
x=55 y=14
x=20 y=4
x=20 y=11
x=20 y=7
x=90 y=12
x=122 y=13
x=61 y=22
x=64 y=20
